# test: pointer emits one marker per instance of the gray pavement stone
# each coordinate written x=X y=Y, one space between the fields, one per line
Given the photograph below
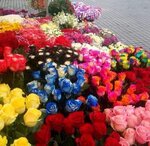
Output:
x=17 y=5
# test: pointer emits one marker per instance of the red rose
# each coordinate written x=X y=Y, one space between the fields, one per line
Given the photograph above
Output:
x=115 y=135
x=85 y=140
x=16 y=62
x=86 y=129
x=68 y=127
x=100 y=130
x=77 y=119
x=62 y=41
x=55 y=121
x=43 y=135
x=7 y=51
x=8 y=39
x=97 y=116
x=110 y=141
x=130 y=75
x=3 y=66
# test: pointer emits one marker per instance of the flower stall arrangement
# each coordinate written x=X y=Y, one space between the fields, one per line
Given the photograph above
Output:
x=66 y=82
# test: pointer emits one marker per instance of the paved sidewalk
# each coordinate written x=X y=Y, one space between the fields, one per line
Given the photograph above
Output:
x=17 y=5
x=128 y=19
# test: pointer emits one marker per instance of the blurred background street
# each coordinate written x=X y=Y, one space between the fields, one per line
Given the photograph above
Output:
x=129 y=20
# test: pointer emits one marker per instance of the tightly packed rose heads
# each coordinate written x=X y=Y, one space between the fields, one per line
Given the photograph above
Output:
x=71 y=83
x=17 y=111
x=132 y=122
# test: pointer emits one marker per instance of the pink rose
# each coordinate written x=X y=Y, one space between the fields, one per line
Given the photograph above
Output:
x=108 y=112
x=132 y=121
x=142 y=134
x=129 y=135
x=147 y=105
x=119 y=123
x=130 y=109
x=146 y=124
x=139 y=112
x=147 y=116
x=119 y=110
x=123 y=142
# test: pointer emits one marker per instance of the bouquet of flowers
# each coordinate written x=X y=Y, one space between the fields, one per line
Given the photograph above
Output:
x=15 y=115
x=85 y=12
x=133 y=123
x=65 y=20
x=129 y=57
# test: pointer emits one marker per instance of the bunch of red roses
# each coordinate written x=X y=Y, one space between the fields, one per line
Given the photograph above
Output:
x=8 y=39
x=85 y=129
x=62 y=41
x=33 y=36
x=13 y=62
x=141 y=78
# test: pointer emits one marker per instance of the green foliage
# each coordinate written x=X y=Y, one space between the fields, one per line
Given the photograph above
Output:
x=57 y=6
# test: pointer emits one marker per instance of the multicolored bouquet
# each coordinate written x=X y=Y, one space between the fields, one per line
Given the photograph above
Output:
x=128 y=58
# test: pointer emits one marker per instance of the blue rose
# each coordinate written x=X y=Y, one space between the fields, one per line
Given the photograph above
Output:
x=35 y=91
x=51 y=108
x=76 y=88
x=73 y=105
x=65 y=85
x=49 y=88
x=53 y=71
x=48 y=65
x=80 y=73
x=36 y=75
x=92 y=101
x=72 y=70
x=50 y=78
x=32 y=85
x=57 y=94
x=81 y=81
x=43 y=96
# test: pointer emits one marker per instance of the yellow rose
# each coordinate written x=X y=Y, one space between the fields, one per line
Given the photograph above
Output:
x=31 y=117
x=19 y=104
x=3 y=140
x=148 y=63
x=32 y=101
x=126 y=64
x=1 y=106
x=4 y=90
x=7 y=99
x=8 y=114
x=113 y=63
x=16 y=92
x=1 y=123
x=22 y=141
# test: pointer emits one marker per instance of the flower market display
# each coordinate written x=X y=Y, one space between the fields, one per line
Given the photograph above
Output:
x=66 y=82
